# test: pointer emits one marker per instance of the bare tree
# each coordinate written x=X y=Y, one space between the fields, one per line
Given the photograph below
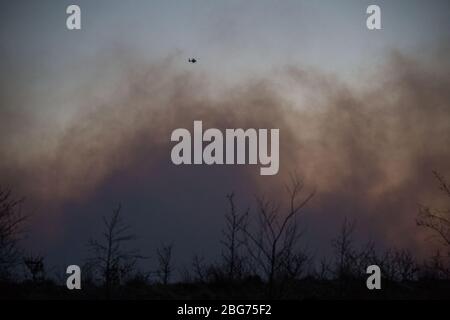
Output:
x=324 y=270
x=185 y=274
x=233 y=240
x=345 y=252
x=200 y=269
x=164 y=260
x=273 y=245
x=35 y=266
x=436 y=268
x=434 y=219
x=351 y=262
x=110 y=259
x=11 y=220
x=399 y=265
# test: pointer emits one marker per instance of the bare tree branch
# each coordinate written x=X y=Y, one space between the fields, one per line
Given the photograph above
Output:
x=109 y=257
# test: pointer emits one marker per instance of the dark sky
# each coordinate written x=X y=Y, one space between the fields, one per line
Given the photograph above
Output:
x=86 y=116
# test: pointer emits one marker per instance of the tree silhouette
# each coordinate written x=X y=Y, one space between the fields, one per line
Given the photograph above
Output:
x=436 y=268
x=164 y=260
x=11 y=220
x=199 y=268
x=345 y=252
x=233 y=240
x=273 y=246
x=435 y=219
x=399 y=265
x=35 y=266
x=110 y=258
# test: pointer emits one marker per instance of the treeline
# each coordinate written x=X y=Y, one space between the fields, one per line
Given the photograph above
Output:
x=262 y=257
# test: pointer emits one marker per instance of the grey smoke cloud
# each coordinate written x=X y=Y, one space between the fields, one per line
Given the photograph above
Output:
x=368 y=149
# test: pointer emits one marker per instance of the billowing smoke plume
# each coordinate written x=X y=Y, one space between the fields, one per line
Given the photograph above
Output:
x=368 y=148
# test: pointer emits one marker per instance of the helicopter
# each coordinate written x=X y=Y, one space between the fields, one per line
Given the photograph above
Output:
x=192 y=60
